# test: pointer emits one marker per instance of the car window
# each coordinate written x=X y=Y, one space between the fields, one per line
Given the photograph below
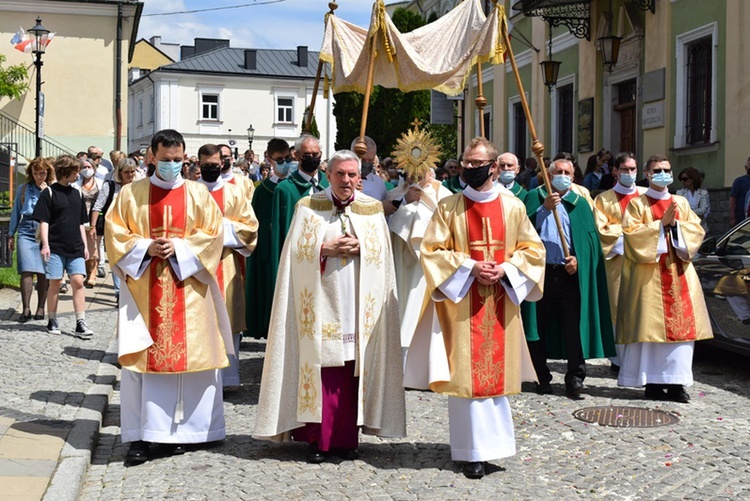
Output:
x=738 y=243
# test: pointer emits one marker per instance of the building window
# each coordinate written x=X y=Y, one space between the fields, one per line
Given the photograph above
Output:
x=209 y=106
x=695 y=93
x=698 y=103
x=564 y=118
x=519 y=131
x=140 y=113
x=151 y=108
x=284 y=110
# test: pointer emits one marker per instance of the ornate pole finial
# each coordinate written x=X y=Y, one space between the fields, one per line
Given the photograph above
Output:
x=416 y=123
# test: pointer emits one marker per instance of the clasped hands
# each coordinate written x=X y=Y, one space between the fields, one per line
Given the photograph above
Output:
x=670 y=215
x=341 y=246
x=487 y=272
x=161 y=247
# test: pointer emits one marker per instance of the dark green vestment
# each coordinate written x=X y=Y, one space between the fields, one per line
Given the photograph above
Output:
x=453 y=184
x=597 y=339
x=259 y=283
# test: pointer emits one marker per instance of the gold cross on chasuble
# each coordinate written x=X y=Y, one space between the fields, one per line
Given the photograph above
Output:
x=487 y=245
x=166 y=230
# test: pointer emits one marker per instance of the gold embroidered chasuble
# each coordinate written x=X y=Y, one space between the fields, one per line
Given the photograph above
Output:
x=609 y=209
x=177 y=326
x=665 y=301
x=231 y=271
x=305 y=332
x=483 y=334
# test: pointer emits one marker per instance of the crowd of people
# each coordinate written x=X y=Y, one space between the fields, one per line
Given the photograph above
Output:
x=366 y=278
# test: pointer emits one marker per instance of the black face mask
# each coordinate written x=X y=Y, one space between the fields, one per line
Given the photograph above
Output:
x=210 y=172
x=367 y=168
x=477 y=176
x=309 y=165
x=226 y=165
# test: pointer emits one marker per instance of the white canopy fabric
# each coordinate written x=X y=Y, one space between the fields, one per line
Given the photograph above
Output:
x=439 y=55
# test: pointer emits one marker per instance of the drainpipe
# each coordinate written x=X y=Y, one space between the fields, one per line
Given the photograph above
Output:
x=118 y=81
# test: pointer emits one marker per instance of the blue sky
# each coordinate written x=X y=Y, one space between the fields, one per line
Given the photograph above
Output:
x=281 y=25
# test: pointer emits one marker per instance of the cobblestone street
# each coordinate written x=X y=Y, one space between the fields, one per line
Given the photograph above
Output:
x=63 y=384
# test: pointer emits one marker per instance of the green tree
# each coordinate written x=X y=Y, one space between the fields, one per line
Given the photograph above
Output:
x=13 y=82
x=313 y=125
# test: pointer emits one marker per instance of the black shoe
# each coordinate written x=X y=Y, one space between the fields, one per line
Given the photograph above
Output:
x=614 y=368
x=544 y=389
x=346 y=454
x=138 y=453
x=82 y=329
x=39 y=317
x=175 y=449
x=63 y=288
x=655 y=392
x=53 y=327
x=474 y=469
x=677 y=393
x=24 y=318
x=314 y=455
x=573 y=388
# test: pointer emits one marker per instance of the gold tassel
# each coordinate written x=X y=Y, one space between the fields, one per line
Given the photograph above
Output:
x=326 y=86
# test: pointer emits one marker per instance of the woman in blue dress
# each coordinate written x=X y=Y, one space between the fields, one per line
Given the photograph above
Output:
x=39 y=174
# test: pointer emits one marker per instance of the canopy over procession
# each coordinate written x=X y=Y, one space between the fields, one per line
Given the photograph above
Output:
x=466 y=287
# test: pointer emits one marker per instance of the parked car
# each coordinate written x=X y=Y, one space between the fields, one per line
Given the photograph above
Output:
x=723 y=266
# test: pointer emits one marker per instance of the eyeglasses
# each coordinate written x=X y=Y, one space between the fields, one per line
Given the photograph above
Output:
x=475 y=163
x=283 y=159
x=659 y=171
x=500 y=164
x=210 y=166
x=310 y=156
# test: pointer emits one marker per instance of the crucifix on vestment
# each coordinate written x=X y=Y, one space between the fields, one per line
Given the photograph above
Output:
x=167 y=230
x=487 y=245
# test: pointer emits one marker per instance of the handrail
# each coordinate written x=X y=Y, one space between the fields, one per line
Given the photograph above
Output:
x=21 y=140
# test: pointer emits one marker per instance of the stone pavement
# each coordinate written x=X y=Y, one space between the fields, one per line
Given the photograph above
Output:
x=54 y=388
x=52 y=395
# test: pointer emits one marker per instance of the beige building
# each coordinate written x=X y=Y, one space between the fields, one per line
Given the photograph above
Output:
x=84 y=71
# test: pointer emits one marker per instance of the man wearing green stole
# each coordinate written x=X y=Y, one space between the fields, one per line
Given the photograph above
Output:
x=573 y=317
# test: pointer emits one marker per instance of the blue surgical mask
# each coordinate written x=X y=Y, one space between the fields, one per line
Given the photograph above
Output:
x=561 y=182
x=282 y=168
x=662 y=179
x=293 y=167
x=169 y=171
x=507 y=176
x=627 y=178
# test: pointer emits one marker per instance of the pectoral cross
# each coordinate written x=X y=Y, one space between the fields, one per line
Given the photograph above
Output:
x=166 y=230
x=344 y=229
x=487 y=245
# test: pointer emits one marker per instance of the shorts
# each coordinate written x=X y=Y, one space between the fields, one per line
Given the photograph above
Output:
x=57 y=264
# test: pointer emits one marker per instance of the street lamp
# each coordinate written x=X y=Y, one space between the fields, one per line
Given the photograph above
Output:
x=250 y=136
x=41 y=36
x=550 y=68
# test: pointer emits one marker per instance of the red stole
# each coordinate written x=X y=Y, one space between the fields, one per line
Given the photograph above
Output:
x=219 y=198
x=624 y=200
x=486 y=229
x=167 y=212
x=678 y=308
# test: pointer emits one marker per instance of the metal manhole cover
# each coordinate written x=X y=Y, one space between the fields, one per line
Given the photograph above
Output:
x=626 y=417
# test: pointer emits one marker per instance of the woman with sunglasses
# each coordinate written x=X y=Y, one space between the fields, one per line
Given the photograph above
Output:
x=692 y=180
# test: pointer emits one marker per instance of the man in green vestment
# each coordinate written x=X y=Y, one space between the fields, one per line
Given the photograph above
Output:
x=454 y=183
x=260 y=281
x=507 y=164
x=301 y=183
x=573 y=318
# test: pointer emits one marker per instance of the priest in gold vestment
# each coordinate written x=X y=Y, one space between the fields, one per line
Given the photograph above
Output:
x=164 y=239
x=333 y=359
x=661 y=310
x=482 y=258
x=609 y=209
x=240 y=237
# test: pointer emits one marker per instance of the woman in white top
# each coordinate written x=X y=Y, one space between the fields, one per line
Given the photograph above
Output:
x=692 y=180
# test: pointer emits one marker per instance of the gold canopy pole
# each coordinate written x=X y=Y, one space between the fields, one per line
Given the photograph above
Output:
x=308 y=121
x=480 y=101
x=537 y=148
x=360 y=148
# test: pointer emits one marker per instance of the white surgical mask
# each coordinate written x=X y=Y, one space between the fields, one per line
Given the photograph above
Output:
x=662 y=179
x=87 y=172
x=507 y=176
